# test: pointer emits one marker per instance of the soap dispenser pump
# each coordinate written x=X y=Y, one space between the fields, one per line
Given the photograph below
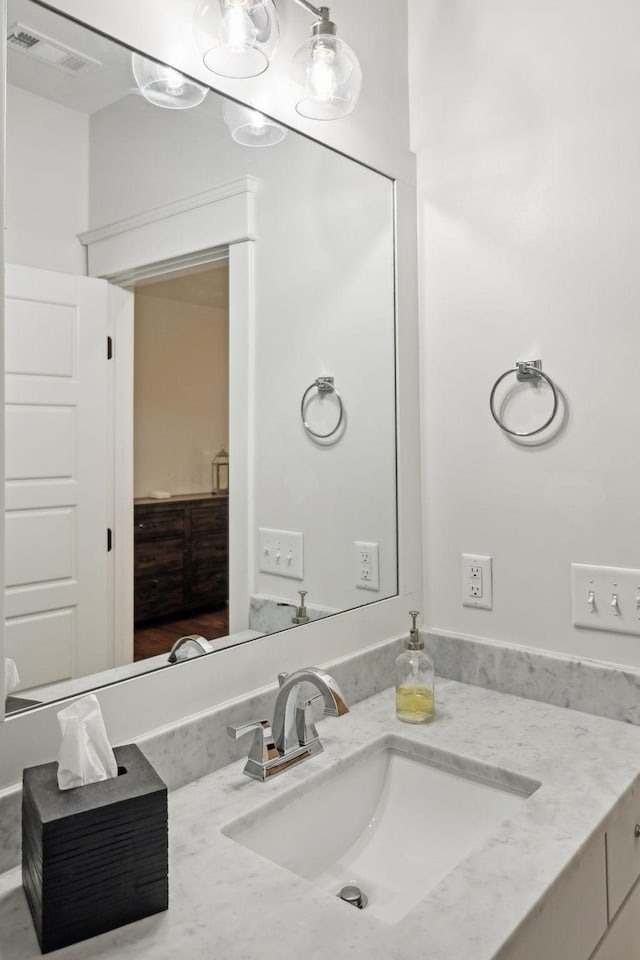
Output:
x=415 y=702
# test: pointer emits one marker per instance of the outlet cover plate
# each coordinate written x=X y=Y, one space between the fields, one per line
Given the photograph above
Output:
x=367 y=565
x=477 y=581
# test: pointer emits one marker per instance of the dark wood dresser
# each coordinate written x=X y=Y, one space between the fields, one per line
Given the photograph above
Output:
x=181 y=555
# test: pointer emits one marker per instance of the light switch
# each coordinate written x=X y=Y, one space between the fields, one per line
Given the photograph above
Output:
x=605 y=598
x=281 y=553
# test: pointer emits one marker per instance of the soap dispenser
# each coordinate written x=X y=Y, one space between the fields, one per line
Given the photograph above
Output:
x=415 y=701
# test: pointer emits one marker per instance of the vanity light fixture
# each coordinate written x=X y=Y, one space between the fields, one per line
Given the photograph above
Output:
x=250 y=127
x=237 y=39
x=164 y=86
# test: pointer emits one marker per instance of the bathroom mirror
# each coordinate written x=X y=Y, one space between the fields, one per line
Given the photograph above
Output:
x=200 y=369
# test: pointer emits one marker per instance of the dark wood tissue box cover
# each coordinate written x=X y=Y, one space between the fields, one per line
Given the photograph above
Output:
x=94 y=857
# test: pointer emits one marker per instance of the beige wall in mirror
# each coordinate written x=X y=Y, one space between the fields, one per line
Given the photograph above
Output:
x=137 y=231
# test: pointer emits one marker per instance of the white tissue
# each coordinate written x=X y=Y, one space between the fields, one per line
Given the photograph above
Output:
x=11 y=676
x=85 y=753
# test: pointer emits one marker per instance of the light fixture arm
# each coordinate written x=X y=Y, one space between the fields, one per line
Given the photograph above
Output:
x=323 y=24
x=321 y=12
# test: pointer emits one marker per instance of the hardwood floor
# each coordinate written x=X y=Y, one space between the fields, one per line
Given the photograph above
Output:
x=149 y=641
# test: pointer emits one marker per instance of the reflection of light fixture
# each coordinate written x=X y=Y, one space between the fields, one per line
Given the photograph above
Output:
x=237 y=38
x=251 y=128
x=164 y=86
x=326 y=71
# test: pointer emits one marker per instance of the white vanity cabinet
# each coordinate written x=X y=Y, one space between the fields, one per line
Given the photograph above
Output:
x=592 y=911
x=622 y=939
x=572 y=916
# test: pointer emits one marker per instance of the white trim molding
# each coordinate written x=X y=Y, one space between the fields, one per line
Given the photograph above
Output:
x=128 y=246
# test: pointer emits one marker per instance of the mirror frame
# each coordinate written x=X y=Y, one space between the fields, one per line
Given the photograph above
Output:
x=136 y=706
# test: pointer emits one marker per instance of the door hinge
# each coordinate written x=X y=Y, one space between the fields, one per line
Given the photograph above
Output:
x=109 y=539
x=109 y=348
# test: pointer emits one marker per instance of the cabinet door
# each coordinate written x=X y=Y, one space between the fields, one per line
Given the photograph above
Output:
x=623 y=849
x=622 y=941
x=571 y=918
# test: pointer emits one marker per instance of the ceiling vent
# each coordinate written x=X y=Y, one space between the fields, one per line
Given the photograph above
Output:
x=55 y=54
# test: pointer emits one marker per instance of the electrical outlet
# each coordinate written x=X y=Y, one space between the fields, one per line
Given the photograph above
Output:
x=367 y=574
x=281 y=553
x=477 y=581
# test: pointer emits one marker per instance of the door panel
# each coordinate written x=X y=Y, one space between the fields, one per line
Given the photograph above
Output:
x=57 y=434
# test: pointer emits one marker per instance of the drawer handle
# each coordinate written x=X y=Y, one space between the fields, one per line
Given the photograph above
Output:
x=636 y=831
x=147 y=559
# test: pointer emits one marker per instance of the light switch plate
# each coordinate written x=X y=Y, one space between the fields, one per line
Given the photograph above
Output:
x=605 y=598
x=281 y=553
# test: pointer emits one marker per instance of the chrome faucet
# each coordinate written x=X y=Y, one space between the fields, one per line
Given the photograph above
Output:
x=188 y=647
x=293 y=736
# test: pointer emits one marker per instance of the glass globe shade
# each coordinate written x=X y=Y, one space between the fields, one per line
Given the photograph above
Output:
x=165 y=87
x=236 y=38
x=327 y=74
x=250 y=127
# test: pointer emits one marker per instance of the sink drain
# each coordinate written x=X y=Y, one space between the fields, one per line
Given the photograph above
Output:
x=354 y=895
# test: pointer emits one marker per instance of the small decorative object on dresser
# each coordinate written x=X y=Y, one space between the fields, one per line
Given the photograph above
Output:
x=181 y=554
x=220 y=472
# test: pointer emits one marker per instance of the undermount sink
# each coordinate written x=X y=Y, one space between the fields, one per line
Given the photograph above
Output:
x=393 y=819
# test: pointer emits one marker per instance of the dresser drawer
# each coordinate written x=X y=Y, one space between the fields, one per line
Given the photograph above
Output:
x=209 y=549
x=149 y=524
x=210 y=519
x=623 y=849
x=155 y=596
x=159 y=557
x=210 y=585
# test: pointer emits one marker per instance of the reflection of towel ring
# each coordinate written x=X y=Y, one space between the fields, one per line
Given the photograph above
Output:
x=524 y=371
x=324 y=386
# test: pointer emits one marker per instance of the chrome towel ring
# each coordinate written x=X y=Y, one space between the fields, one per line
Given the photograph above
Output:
x=324 y=386
x=525 y=371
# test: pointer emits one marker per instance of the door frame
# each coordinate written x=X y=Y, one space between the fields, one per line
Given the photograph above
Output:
x=170 y=239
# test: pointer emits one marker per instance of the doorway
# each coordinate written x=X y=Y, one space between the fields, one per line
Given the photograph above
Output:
x=180 y=427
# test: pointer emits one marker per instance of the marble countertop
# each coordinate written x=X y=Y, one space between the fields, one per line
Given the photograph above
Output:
x=227 y=902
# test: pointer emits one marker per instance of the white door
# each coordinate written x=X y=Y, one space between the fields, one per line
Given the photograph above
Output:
x=58 y=569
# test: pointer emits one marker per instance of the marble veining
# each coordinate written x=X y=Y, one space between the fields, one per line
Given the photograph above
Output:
x=228 y=902
x=604 y=689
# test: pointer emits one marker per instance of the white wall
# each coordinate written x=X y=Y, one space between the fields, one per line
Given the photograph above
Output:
x=324 y=307
x=47 y=171
x=525 y=120
x=181 y=404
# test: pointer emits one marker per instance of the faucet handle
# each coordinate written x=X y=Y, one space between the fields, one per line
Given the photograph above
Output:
x=263 y=747
x=305 y=724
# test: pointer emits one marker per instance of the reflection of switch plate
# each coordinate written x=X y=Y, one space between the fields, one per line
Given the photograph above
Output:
x=366 y=565
x=477 y=582
x=605 y=598
x=281 y=553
